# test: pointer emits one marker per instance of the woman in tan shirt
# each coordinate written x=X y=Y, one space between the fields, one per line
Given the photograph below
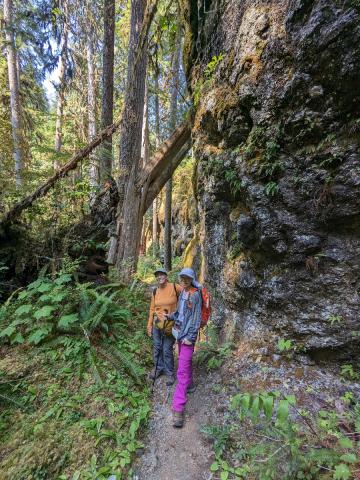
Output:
x=163 y=301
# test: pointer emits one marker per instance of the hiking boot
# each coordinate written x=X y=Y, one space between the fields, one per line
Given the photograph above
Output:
x=170 y=380
x=191 y=388
x=158 y=374
x=178 y=419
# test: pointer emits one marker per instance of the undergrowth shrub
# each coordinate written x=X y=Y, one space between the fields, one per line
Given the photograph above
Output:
x=212 y=353
x=269 y=437
x=48 y=307
x=73 y=394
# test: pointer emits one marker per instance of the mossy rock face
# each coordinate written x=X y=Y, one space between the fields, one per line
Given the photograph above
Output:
x=277 y=143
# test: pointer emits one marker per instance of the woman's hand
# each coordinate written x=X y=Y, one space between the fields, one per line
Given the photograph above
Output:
x=149 y=330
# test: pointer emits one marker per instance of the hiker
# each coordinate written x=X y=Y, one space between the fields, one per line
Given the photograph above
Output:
x=187 y=319
x=163 y=301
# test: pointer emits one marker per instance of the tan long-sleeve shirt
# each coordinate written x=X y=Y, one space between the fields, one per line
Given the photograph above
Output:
x=164 y=301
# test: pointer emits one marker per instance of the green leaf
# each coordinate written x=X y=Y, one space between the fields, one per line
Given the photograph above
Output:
x=268 y=406
x=283 y=411
x=34 y=285
x=23 y=309
x=291 y=399
x=245 y=402
x=214 y=467
x=348 y=458
x=46 y=297
x=76 y=475
x=342 y=472
x=67 y=320
x=224 y=475
x=44 y=287
x=38 y=335
x=134 y=426
x=23 y=295
x=44 y=312
x=345 y=442
x=59 y=297
x=8 y=331
x=255 y=408
x=18 y=338
x=66 y=278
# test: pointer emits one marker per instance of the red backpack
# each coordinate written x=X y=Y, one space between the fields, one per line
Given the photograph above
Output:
x=206 y=306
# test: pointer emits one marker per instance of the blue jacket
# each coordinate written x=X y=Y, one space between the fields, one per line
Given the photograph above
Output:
x=192 y=317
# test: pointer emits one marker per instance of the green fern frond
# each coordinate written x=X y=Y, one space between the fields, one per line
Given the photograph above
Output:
x=95 y=365
x=118 y=360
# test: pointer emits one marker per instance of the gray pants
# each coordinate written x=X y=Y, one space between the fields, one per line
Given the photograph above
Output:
x=163 y=351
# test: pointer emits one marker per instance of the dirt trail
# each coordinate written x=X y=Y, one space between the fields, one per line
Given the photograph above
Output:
x=177 y=454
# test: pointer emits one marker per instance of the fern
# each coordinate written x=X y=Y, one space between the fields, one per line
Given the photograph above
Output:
x=95 y=365
x=118 y=359
x=6 y=392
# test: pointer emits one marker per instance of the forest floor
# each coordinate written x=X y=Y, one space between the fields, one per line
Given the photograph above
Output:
x=177 y=454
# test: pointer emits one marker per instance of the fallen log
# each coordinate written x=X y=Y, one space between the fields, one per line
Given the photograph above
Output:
x=156 y=183
x=41 y=191
x=151 y=179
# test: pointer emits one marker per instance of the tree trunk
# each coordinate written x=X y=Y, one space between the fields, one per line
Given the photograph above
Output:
x=93 y=165
x=145 y=157
x=61 y=91
x=155 y=235
x=130 y=149
x=167 y=229
x=130 y=134
x=145 y=150
x=172 y=124
x=14 y=92
x=107 y=104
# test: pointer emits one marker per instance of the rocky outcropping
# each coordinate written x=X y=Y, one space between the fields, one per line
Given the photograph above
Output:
x=276 y=136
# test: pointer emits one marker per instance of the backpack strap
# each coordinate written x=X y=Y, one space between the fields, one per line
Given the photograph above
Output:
x=199 y=289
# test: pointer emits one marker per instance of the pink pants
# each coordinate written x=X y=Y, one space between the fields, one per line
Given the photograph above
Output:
x=184 y=377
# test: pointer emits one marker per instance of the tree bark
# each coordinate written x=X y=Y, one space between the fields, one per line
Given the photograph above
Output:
x=172 y=124
x=93 y=164
x=167 y=229
x=130 y=134
x=145 y=150
x=62 y=85
x=155 y=235
x=107 y=103
x=14 y=92
x=130 y=149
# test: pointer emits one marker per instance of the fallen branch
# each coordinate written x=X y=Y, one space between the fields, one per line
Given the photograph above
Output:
x=41 y=191
x=163 y=164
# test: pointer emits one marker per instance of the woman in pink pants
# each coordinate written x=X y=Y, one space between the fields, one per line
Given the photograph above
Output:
x=187 y=323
